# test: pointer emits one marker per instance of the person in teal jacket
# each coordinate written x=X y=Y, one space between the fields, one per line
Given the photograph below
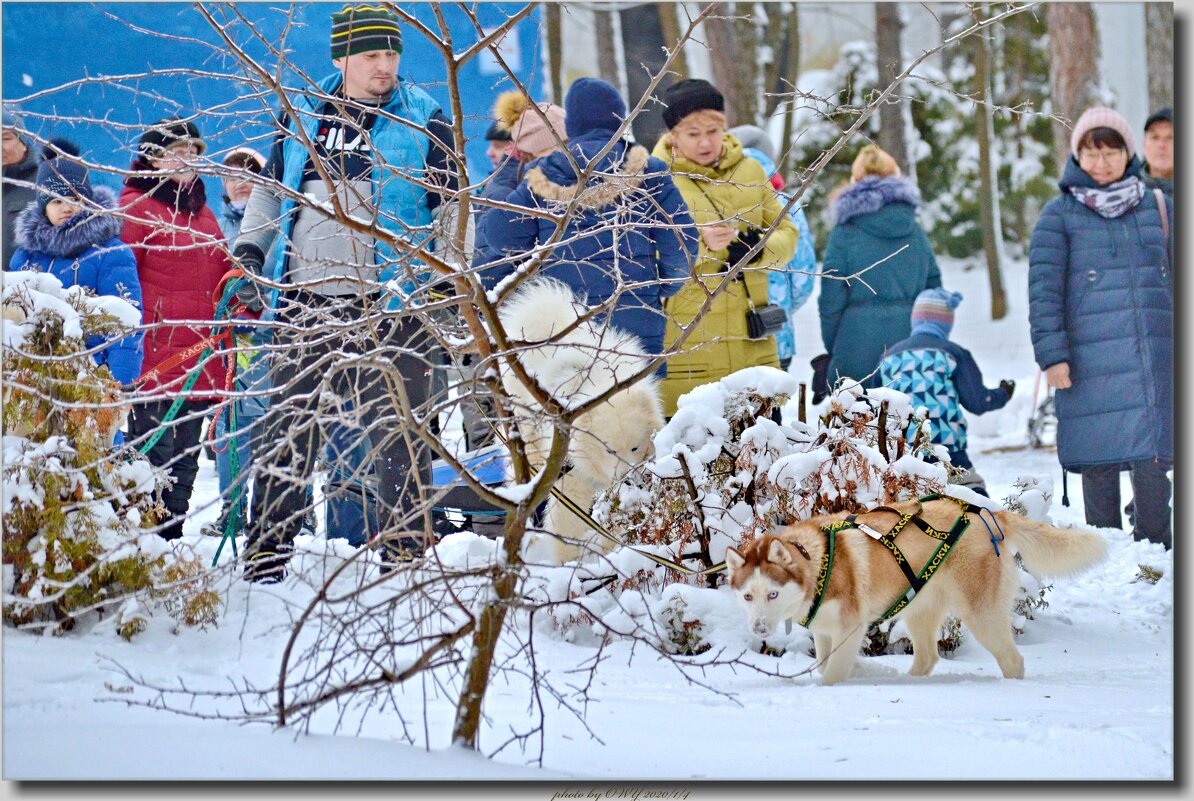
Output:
x=877 y=260
x=791 y=287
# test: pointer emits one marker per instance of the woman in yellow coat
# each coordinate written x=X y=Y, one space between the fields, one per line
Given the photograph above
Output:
x=733 y=204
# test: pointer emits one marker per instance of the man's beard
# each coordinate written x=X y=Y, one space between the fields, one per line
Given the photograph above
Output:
x=389 y=87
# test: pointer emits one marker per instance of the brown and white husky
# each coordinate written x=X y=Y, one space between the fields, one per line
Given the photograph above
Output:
x=776 y=576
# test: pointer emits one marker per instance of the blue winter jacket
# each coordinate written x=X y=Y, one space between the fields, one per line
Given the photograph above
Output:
x=1101 y=299
x=791 y=287
x=943 y=377
x=86 y=251
x=230 y=222
x=401 y=202
x=498 y=186
x=632 y=228
x=860 y=318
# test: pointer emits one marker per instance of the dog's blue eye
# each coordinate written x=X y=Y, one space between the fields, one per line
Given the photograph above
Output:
x=771 y=596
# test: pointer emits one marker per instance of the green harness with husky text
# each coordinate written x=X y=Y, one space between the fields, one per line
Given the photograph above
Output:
x=916 y=581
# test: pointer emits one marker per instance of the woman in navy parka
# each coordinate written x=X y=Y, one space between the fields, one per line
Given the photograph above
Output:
x=1101 y=309
x=631 y=229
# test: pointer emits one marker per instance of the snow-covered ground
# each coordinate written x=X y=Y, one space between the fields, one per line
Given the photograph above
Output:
x=1097 y=701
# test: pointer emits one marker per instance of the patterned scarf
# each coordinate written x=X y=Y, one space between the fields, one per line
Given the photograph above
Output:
x=1111 y=200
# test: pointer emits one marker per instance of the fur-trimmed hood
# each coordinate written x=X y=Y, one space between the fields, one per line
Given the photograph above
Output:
x=871 y=194
x=619 y=172
x=34 y=233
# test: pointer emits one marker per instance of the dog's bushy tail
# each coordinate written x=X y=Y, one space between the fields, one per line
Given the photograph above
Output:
x=1051 y=551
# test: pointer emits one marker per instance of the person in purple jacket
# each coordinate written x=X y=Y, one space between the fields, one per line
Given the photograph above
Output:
x=943 y=377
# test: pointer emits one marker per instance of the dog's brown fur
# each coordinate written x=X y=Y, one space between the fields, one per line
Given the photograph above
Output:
x=865 y=580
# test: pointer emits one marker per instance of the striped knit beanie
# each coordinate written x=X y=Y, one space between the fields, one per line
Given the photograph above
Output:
x=361 y=29
x=1102 y=117
x=936 y=306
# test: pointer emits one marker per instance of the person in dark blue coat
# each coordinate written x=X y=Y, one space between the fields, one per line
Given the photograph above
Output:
x=70 y=232
x=529 y=137
x=1101 y=309
x=630 y=238
x=875 y=237
x=943 y=377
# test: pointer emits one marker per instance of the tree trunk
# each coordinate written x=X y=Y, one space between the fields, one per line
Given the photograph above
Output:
x=669 y=23
x=735 y=74
x=748 y=72
x=1074 y=67
x=989 y=187
x=642 y=46
x=722 y=54
x=555 y=52
x=607 y=57
x=467 y=728
x=1158 y=38
x=893 y=127
x=786 y=82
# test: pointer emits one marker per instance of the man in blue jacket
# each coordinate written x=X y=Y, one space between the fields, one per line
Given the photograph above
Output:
x=370 y=143
x=942 y=377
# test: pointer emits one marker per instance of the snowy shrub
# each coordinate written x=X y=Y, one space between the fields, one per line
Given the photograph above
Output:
x=1031 y=497
x=1149 y=574
x=76 y=511
x=891 y=637
x=684 y=632
x=725 y=472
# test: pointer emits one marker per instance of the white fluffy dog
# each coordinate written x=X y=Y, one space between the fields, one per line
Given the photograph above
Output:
x=575 y=367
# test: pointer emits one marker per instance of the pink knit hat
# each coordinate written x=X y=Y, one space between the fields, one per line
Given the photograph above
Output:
x=1102 y=117
x=530 y=135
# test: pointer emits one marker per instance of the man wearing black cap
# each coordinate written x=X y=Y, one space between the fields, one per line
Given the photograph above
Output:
x=381 y=141
x=498 y=139
x=1158 y=151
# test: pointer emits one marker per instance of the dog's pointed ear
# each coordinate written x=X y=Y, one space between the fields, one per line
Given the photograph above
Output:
x=778 y=553
x=734 y=559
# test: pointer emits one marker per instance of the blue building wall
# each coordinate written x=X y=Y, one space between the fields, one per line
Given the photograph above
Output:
x=53 y=54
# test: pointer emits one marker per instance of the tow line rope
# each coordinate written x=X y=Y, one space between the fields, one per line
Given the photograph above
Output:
x=230 y=282
x=587 y=519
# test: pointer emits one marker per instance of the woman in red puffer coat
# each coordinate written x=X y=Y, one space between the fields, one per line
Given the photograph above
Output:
x=177 y=242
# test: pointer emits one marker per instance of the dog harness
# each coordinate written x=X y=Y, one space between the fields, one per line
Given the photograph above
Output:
x=916 y=581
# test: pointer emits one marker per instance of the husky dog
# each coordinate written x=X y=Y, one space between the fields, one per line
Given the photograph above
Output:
x=776 y=578
x=574 y=367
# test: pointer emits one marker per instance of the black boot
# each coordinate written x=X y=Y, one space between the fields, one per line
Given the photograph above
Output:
x=265 y=562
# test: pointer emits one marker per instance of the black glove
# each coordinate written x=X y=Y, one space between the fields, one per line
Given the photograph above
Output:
x=249 y=258
x=742 y=245
x=1008 y=386
x=250 y=296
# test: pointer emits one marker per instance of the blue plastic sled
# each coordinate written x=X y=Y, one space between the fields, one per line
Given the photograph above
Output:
x=350 y=507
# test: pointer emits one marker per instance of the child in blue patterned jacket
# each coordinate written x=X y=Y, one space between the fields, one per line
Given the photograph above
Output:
x=942 y=376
